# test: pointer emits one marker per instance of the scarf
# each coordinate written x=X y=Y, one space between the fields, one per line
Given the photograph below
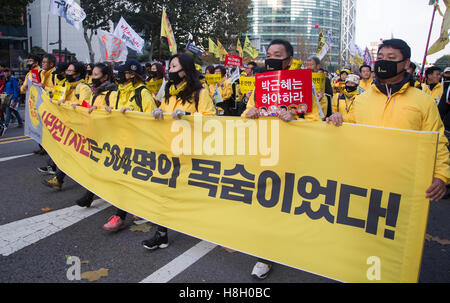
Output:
x=173 y=91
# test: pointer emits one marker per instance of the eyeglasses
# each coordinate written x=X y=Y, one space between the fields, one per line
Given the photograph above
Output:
x=70 y=71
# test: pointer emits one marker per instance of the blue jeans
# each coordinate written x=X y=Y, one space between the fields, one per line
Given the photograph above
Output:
x=8 y=116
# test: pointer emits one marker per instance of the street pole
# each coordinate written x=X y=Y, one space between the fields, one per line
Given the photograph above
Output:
x=59 y=39
x=428 y=42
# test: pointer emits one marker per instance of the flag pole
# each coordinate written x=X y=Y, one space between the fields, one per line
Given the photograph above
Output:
x=428 y=41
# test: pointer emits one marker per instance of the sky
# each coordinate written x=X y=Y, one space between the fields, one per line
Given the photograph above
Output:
x=408 y=20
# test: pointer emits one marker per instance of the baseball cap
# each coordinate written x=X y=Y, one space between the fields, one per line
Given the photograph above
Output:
x=131 y=65
x=352 y=78
x=447 y=70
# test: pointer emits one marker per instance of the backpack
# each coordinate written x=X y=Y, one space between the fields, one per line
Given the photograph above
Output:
x=137 y=96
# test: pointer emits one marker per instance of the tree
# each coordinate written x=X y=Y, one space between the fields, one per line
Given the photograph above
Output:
x=98 y=16
x=13 y=13
x=443 y=62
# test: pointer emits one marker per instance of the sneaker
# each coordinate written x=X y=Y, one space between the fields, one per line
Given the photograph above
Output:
x=158 y=241
x=48 y=170
x=86 y=200
x=115 y=223
x=261 y=270
x=3 y=130
x=53 y=183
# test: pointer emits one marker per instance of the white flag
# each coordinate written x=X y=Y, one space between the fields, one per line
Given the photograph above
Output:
x=112 y=48
x=235 y=76
x=69 y=10
x=127 y=34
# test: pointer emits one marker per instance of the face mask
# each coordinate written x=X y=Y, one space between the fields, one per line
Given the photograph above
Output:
x=446 y=79
x=175 y=78
x=274 y=64
x=29 y=66
x=121 y=77
x=385 y=69
x=350 y=89
x=89 y=72
x=96 y=82
x=60 y=77
x=152 y=74
x=70 y=78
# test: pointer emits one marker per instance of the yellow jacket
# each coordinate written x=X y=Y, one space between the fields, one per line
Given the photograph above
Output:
x=28 y=80
x=409 y=108
x=436 y=93
x=125 y=97
x=345 y=106
x=205 y=106
x=314 y=115
x=77 y=92
x=226 y=90
x=48 y=79
x=365 y=84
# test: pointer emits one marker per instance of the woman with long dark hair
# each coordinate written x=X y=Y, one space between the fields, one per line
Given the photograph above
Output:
x=184 y=95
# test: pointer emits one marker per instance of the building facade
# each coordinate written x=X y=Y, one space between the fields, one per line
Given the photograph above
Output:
x=300 y=22
x=43 y=32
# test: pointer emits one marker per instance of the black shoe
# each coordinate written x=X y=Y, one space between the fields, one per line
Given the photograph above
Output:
x=157 y=241
x=86 y=200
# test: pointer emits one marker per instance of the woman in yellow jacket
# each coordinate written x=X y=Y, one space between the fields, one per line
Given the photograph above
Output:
x=132 y=95
x=77 y=89
x=184 y=95
x=344 y=103
x=156 y=79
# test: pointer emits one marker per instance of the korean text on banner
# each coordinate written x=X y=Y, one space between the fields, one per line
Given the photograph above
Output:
x=289 y=89
x=259 y=173
x=112 y=48
x=124 y=32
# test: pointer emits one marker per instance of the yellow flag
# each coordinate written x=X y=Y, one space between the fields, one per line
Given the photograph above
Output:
x=222 y=51
x=239 y=49
x=213 y=49
x=321 y=46
x=249 y=48
x=439 y=44
x=166 y=31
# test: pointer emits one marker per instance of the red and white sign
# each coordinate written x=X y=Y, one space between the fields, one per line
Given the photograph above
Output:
x=35 y=77
x=233 y=61
x=288 y=89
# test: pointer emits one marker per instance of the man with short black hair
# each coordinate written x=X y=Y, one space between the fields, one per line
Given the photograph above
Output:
x=365 y=72
x=33 y=63
x=392 y=102
x=432 y=85
x=48 y=65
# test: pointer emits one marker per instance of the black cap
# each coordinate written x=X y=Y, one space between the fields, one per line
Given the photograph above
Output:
x=61 y=68
x=131 y=65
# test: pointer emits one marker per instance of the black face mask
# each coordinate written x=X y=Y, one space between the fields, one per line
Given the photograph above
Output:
x=350 y=89
x=96 y=82
x=152 y=74
x=89 y=72
x=70 y=78
x=60 y=77
x=274 y=64
x=175 y=77
x=446 y=78
x=385 y=69
x=121 y=78
x=29 y=66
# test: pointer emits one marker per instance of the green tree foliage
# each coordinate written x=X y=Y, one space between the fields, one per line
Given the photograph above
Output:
x=13 y=13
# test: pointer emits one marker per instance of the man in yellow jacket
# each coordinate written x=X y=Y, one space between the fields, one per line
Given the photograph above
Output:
x=365 y=71
x=33 y=65
x=48 y=79
x=279 y=57
x=432 y=85
x=393 y=102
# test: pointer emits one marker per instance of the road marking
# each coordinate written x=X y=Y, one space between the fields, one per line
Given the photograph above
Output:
x=13 y=138
x=14 y=141
x=180 y=263
x=19 y=234
x=14 y=157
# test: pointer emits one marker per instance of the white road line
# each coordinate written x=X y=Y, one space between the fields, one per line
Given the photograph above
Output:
x=14 y=157
x=19 y=234
x=180 y=263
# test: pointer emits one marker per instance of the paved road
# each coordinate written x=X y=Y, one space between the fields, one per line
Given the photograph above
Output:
x=43 y=228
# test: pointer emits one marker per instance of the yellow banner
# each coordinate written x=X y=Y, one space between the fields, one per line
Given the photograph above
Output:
x=296 y=64
x=319 y=81
x=213 y=79
x=263 y=187
x=247 y=84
